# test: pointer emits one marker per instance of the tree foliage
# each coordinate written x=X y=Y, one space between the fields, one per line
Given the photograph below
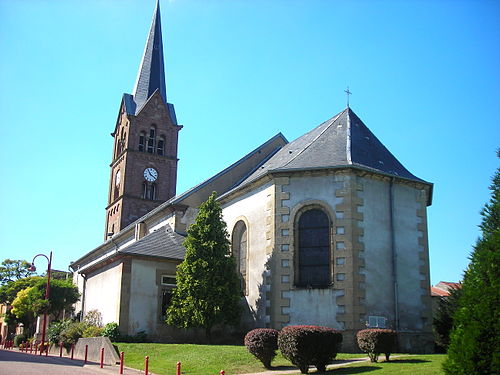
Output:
x=474 y=341
x=9 y=290
x=14 y=269
x=30 y=302
x=208 y=288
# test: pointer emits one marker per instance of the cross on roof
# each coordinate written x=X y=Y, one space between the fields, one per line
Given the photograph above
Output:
x=348 y=93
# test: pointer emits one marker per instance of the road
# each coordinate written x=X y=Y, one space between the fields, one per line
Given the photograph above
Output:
x=13 y=362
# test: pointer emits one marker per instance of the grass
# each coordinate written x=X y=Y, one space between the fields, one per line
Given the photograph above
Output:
x=421 y=364
x=210 y=359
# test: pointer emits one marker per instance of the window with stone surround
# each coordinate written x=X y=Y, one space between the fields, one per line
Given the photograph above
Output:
x=151 y=140
x=160 y=147
x=142 y=141
x=168 y=284
x=240 y=252
x=313 y=250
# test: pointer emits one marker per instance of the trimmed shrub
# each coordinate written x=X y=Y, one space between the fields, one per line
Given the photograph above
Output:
x=92 y=331
x=309 y=345
x=19 y=339
x=262 y=343
x=112 y=331
x=375 y=341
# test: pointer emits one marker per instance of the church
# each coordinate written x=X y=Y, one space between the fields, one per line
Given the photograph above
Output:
x=328 y=229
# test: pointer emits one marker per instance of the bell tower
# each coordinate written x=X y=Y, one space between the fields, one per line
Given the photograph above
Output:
x=144 y=161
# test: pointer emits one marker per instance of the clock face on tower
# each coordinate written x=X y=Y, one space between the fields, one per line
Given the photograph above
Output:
x=150 y=174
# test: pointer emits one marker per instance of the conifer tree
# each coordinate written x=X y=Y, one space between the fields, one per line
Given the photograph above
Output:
x=208 y=289
x=474 y=341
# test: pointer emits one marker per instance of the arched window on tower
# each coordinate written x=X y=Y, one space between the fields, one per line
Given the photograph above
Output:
x=160 y=148
x=240 y=252
x=151 y=140
x=145 y=190
x=142 y=141
x=313 y=258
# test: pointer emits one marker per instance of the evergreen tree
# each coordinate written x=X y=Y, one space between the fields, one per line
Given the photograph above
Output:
x=474 y=341
x=208 y=289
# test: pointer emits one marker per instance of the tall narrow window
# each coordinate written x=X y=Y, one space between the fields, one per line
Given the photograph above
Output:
x=151 y=140
x=152 y=191
x=240 y=252
x=142 y=141
x=160 y=149
x=313 y=249
x=145 y=190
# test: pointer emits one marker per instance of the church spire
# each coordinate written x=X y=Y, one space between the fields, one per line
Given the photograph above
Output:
x=151 y=75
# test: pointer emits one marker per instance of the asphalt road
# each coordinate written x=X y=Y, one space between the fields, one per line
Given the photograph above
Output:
x=13 y=362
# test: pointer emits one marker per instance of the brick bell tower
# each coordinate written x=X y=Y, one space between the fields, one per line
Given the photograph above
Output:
x=144 y=161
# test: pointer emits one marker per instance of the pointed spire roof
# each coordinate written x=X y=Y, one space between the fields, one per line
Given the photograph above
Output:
x=342 y=141
x=151 y=75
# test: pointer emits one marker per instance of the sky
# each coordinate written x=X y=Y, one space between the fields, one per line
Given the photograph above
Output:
x=424 y=77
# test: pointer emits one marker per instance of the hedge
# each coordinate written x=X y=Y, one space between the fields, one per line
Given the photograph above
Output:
x=375 y=341
x=262 y=343
x=309 y=345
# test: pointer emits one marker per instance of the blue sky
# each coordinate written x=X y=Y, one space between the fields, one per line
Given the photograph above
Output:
x=425 y=78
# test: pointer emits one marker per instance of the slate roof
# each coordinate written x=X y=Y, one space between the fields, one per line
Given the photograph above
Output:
x=164 y=243
x=342 y=141
x=151 y=76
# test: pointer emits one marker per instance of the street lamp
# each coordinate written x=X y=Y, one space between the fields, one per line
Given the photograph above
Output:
x=47 y=291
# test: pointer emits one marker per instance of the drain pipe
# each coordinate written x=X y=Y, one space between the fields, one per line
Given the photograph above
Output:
x=394 y=254
x=84 y=276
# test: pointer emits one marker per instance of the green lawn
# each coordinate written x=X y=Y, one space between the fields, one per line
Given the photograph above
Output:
x=210 y=359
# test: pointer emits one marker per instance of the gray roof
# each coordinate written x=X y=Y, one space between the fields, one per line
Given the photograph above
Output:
x=151 y=76
x=341 y=141
x=164 y=243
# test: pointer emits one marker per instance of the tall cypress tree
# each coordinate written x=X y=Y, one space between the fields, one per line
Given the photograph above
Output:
x=208 y=289
x=475 y=338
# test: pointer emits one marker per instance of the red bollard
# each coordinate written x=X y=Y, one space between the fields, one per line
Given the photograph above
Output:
x=60 y=349
x=121 y=362
x=86 y=352
x=31 y=347
x=146 y=365
x=102 y=357
x=36 y=348
x=46 y=349
x=72 y=350
x=178 y=368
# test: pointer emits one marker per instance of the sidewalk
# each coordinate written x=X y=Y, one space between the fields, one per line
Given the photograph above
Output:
x=15 y=362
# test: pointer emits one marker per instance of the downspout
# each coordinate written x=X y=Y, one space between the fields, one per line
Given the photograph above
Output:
x=84 y=276
x=394 y=254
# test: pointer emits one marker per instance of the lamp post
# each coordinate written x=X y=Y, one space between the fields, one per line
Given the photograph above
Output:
x=47 y=291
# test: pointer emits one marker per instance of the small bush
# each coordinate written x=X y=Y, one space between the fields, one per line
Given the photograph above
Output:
x=375 y=341
x=309 y=345
x=262 y=343
x=112 y=331
x=55 y=329
x=93 y=318
x=19 y=339
x=72 y=332
x=92 y=331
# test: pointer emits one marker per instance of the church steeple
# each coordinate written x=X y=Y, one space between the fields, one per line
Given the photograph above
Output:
x=144 y=162
x=151 y=75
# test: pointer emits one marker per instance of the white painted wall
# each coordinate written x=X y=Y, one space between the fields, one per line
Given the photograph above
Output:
x=103 y=292
x=143 y=297
x=378 y=257
x=253 y=207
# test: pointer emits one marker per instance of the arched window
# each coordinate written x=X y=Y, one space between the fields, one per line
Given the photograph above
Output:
x=151 y=140
x=240 y=252
x=313 y=249
x=160 y=148
x=152 y=192
x=142 y=141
